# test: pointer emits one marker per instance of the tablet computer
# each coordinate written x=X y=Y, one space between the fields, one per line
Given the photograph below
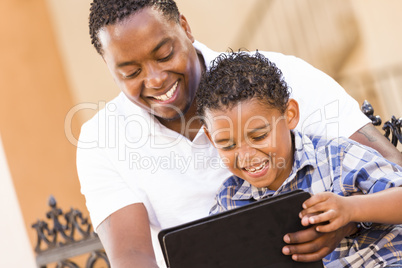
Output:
x=249 y=236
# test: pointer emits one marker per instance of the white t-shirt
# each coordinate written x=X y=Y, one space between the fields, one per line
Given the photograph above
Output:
x=125 y=156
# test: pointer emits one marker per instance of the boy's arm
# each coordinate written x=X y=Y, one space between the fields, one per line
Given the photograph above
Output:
x=363 y=171
x=379 y=207
x=126 y=237
x=338 y=210
x=310 y=245
x=370 y=136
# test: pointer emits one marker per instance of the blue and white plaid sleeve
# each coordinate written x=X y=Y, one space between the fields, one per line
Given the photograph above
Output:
x=365 y=170
x=225 y=197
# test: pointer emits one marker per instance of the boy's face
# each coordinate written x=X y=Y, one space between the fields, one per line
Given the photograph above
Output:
x=153 y=62
x=254 y=141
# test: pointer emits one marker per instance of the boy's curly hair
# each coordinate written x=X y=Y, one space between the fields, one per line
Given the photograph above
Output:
x=240 y=76
x=108 y=12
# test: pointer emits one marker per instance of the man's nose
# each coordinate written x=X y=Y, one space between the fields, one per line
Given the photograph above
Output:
x=155 y=77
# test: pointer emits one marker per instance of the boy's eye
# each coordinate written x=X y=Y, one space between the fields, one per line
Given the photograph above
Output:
x=260 y=137
x=227 y=147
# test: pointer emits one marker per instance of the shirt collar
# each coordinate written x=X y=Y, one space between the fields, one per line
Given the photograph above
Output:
x=208 y=54
x=304 y=152
x=137 y=119
x=304 y=156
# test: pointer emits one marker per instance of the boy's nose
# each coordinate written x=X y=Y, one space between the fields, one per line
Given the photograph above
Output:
x=245 y=154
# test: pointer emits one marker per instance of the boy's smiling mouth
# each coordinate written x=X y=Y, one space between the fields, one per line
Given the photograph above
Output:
x=168 y=95
x=255 y=170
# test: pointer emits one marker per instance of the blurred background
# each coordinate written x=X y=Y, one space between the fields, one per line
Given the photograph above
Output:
x=52 y=80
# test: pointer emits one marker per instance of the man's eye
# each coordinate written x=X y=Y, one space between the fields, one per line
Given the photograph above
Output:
x=260 y=137
x=168 y=57
x=134 y=74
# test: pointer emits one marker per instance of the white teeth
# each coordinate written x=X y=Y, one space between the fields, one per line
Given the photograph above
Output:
x=256 y=169
x=168 y=94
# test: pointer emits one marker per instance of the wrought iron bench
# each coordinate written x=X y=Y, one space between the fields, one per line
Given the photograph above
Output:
x=70 y=234
x=65 y=236
x=392 y=128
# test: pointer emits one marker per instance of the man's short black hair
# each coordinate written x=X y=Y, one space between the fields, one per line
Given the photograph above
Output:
x=108 y=12
x=240 y=76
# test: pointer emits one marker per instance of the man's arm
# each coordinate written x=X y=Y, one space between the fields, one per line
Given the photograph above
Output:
x=126 y=237
x=370 y=136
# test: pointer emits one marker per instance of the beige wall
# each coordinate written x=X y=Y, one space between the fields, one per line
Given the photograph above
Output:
x=15 y=248
x=34 y=100
x=380 y=29
x=379 y=23
x=87 y=74
x=48 y=67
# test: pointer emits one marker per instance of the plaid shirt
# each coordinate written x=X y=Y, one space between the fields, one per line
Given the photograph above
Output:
x=343 y=167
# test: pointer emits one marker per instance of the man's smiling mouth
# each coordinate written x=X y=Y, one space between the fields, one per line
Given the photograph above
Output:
x=168 y=95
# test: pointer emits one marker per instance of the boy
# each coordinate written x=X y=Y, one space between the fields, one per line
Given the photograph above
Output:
x=248 y=116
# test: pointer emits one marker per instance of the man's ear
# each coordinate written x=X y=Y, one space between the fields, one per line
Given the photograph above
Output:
x=208 y=135
x=292 y=113
x=186 y=27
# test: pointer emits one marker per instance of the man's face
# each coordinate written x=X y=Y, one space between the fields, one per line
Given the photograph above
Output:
x=254 y=141
x=153 y=62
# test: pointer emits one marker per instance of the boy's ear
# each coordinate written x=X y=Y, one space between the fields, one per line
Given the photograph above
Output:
x=292 y=113
x=208 y=135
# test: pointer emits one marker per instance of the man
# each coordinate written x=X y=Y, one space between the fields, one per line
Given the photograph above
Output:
x=152 y=165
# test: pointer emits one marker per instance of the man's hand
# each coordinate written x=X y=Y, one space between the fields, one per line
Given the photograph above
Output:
x=309 y=245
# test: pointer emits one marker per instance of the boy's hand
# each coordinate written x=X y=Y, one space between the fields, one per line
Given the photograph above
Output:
x=329 y=210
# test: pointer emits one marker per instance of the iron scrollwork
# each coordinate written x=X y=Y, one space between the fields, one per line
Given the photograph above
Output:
x=392 y=127
x=368 y=110
x=66 y=231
